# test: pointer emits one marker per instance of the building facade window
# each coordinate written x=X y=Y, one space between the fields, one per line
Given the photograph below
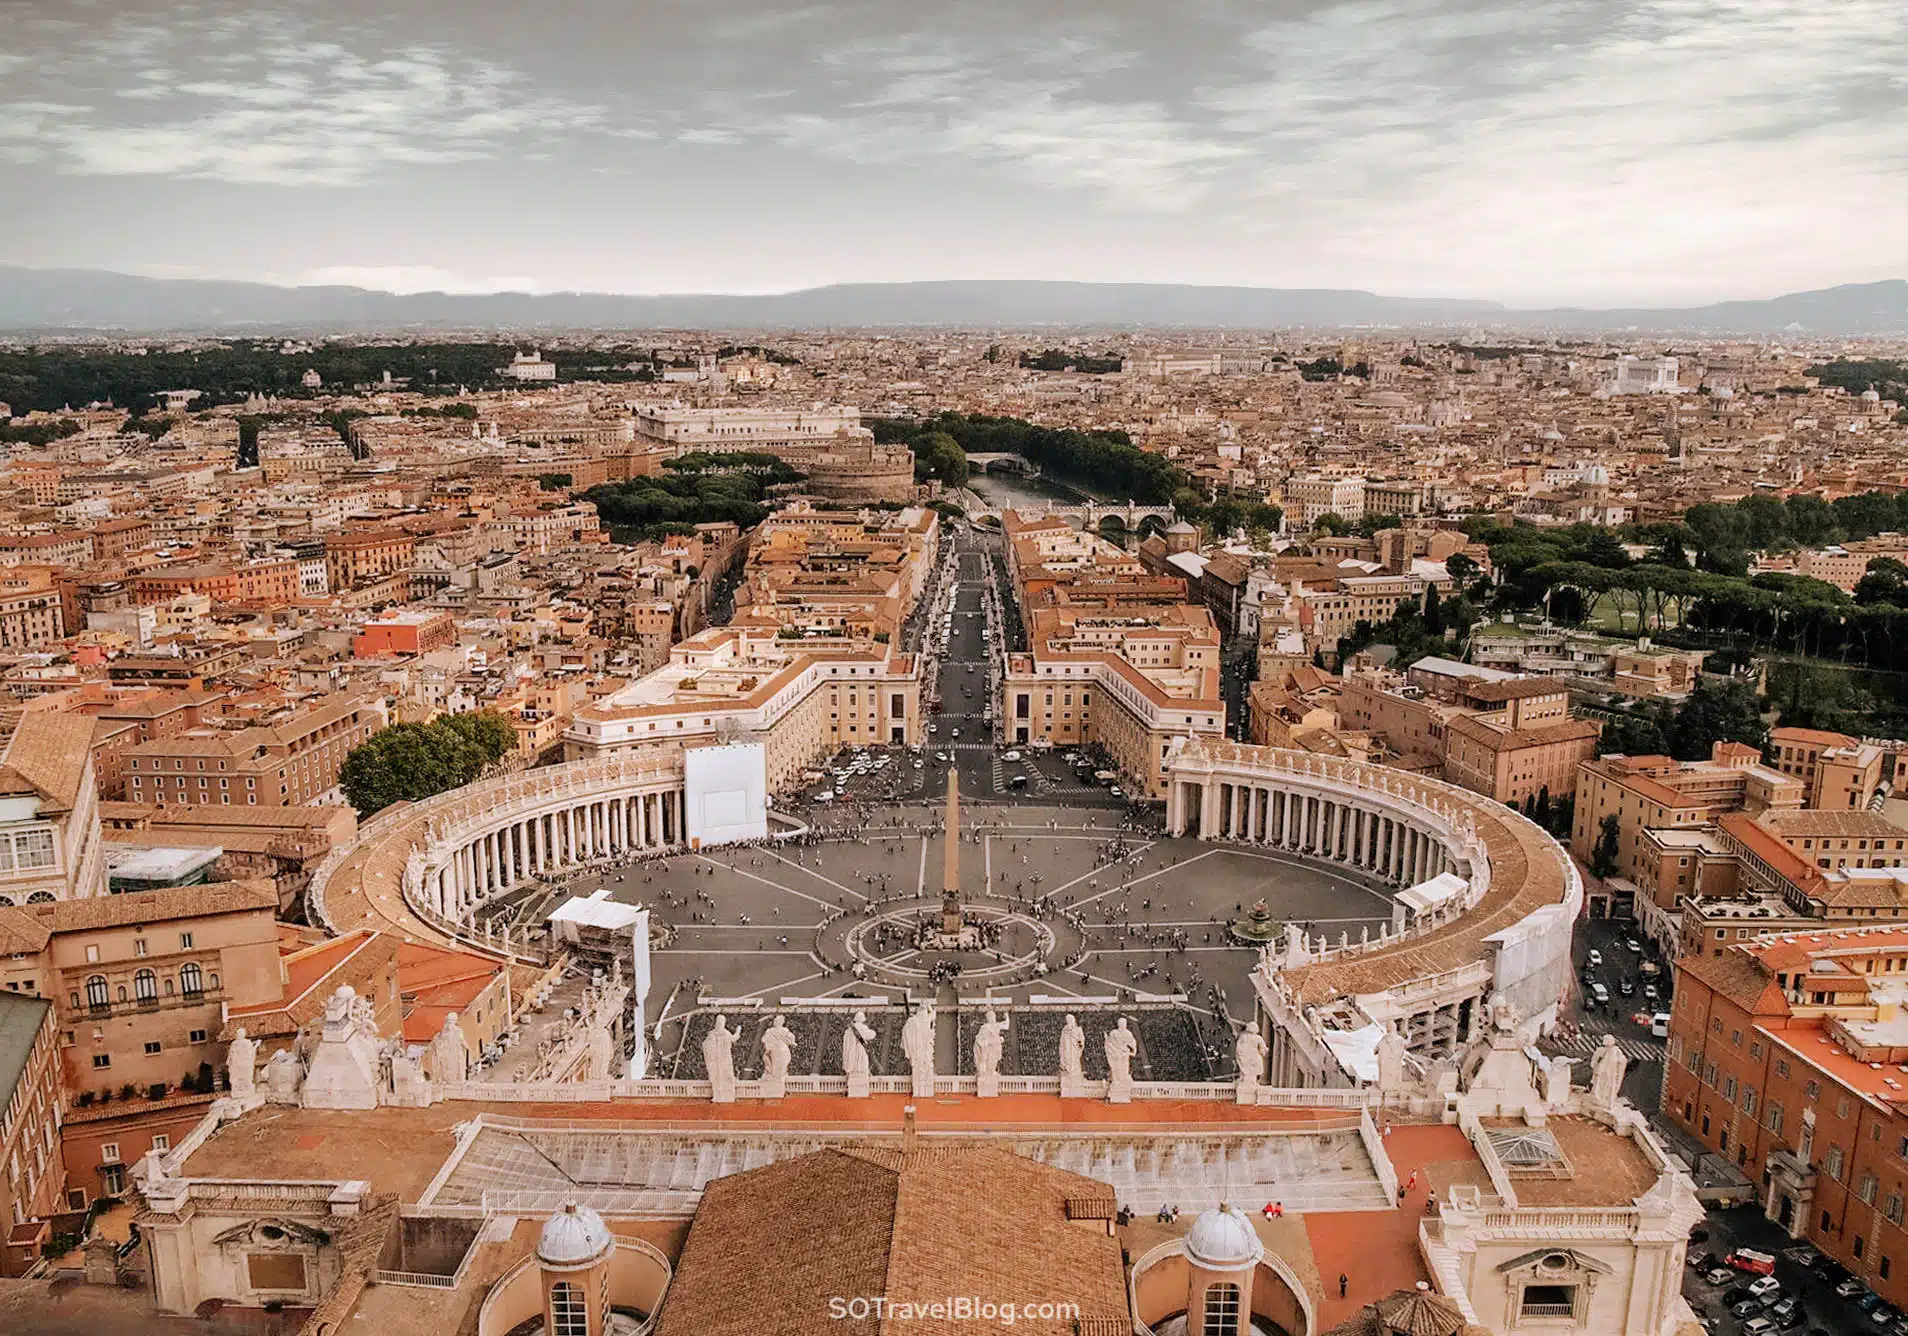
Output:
x=1221 y=1316
x=569 y=1310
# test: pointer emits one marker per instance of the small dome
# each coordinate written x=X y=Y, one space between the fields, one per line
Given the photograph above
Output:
x=1222 y=1239
x=573 y=1236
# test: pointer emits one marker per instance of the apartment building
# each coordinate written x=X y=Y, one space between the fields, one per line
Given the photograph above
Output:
x=1314 y=495
x=140 y=982
x=1646 y=793
x=1509 y=738
x=1519 y=742
x=1331 y=611
x=32 y=1173
x=294 y=761
x=50 y=846
x=1115 y=656
x=73 y=547
x=1839 y=771
x=839 y=571
x=32 y=612
x=357 y=556
x=273 y=583
x=1786 y=1056
x=411 y=631
x=695 y=430
x=547 y=527
x=802 y=696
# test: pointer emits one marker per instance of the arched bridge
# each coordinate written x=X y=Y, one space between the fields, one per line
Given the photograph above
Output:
x=1004 y=463
x=1135 y=517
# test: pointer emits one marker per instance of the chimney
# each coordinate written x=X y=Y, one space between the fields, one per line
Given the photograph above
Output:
x=907 y=1130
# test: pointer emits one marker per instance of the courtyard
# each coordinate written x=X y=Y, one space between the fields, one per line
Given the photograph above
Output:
x=1055 y=903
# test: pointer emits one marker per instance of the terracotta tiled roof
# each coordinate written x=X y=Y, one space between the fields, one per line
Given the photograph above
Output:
x=112 y=911
x=1739 y=977
x=49 y=752
x=770 y=1248
x=21 y=934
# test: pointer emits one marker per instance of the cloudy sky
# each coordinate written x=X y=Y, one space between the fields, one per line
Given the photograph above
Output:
x=1534 y=151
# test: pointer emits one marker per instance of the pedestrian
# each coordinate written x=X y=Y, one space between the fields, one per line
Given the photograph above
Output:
x=1343 y=1282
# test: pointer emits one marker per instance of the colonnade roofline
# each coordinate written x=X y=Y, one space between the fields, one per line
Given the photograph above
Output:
x=415 y=869
x=1525 y=871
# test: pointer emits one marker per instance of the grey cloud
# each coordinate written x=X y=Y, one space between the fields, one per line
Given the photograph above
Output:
x=1423 y=143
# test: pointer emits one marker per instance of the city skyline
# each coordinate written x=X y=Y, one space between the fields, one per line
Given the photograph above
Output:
x=1621 y=152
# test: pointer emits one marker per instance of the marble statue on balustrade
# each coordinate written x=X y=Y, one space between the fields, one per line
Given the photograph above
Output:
x=917 y=1042
x=401 y=1076
x=345 y=1066
x=1391 y=1061
x=448 y=1058
x=989 y=1041
x=1121 y=1045
x=778 y=1046
x=241 y=1064
x=1072 y=1059
x=1557 y=1084
x=1607 y=1070
x=1249 y=1050
x=1498 y=1074
x=718 y=1056
x=854 y=1054
x=281 y=1077
x=599 y=1061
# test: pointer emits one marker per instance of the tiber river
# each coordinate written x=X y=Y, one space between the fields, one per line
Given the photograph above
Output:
x=1007 y=490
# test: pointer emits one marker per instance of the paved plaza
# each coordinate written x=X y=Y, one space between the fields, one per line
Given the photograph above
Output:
x=1070 y=905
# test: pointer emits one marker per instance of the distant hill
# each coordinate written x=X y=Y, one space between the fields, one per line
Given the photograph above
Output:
x=93 y=299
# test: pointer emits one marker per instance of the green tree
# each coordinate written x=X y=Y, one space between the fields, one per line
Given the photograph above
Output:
x=406 y=762
x=1608 y=849
x=1885 y=581
x=1717 y=712
x=939 y=455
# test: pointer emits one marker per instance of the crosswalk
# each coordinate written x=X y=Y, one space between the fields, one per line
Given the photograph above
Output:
x=1587 y=1042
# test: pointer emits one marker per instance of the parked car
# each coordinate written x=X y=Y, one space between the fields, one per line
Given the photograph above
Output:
x=1633 y=946
x=1737 y=1295
x=1745 y=1310
x=1719 y=1275
x=1764 y=1286
x=1601 y=994
x=1884 y=1316
x=1787 y=1311
x=1867 y=1301
x=1758 y=1326
x=1702 y=1263
x=1659 y=1025
x=1595 y=957
x=1850 y=1287
x=1627 y=987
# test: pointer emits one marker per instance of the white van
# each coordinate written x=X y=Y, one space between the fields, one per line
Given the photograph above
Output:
x=1659 y=1025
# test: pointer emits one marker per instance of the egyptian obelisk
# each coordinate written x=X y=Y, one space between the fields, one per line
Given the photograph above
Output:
x=951 y=858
